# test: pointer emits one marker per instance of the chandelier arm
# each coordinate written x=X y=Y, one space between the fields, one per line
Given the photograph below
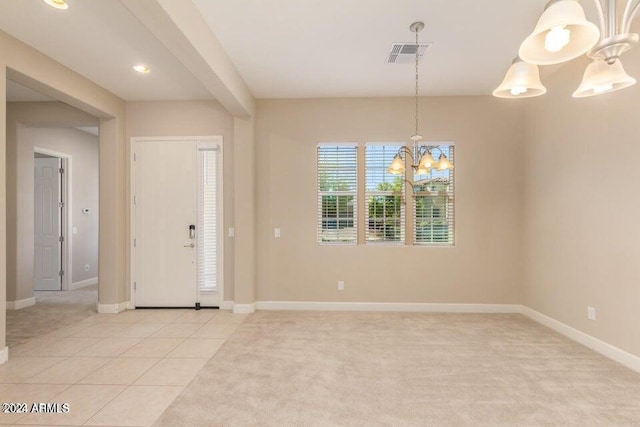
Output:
x=612 y=18
x=407 y=152
x=422 y=148
x=601 y=16
x=438 y=148
x=401 y=193
x=630 y=12
x=409 y=182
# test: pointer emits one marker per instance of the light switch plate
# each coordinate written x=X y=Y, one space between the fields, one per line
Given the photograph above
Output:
x=276 y=232
x=232 y=232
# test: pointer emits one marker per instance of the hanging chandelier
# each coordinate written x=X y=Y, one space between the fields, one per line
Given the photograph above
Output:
x=564 y=33
x=427 y=162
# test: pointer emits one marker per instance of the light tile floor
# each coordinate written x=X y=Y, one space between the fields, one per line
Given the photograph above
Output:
x=53 y=310
x=113 y=369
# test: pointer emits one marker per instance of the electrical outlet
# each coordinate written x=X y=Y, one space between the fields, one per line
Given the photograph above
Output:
x=341 y=285
x=232 y=232
x=591 y=313
x=276 y=232
x=87 y=268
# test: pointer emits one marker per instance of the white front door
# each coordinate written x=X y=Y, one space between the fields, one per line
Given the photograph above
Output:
x=168 y=229
x=48 y=226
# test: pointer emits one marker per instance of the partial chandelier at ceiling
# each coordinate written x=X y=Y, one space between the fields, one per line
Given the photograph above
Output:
x=427 y=162
x=563 y=33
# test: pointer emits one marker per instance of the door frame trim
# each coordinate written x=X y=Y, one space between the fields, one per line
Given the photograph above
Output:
x=67 y=214
x=218 y=139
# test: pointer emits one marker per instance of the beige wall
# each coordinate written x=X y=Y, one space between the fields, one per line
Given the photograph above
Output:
x=582 y=205
x=21 y=138
x=485 y=265
x=3 y=203
x=245 y=178
x=192 y=118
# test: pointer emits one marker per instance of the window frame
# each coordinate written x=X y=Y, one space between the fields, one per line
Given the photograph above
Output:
x=450 y=203
x=320 y=194
x=384 y=193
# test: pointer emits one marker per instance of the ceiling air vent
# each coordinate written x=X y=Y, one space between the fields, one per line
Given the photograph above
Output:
x=405 y=53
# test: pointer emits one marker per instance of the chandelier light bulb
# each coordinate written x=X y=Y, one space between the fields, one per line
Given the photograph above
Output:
x=444 y=163
x=397 y=166
x=423 y=171
x=603 y=88
x=561 y=34
x=521 y=81
x=426 y=161
x=557 y=38
x=518 y=90
x=601 y=77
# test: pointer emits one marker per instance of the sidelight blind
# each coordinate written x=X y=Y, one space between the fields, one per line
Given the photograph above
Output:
x=384 y=194
x=434 y=202
x=337 y=166
x=208 y=221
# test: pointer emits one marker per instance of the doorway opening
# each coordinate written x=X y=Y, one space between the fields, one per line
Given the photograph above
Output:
x=52 y=214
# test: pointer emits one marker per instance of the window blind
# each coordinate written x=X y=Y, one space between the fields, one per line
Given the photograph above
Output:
x=337 y=193
x=208 y=221
x=434 y=206
x=383 y=192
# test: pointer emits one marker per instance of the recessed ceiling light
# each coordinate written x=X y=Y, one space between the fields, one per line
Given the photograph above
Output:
x=58 y=4
x=141 y=68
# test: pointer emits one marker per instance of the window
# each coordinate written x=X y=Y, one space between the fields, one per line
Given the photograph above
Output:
x=208 y=220
x=434 y=202
x=337 y=193
x=384 y=194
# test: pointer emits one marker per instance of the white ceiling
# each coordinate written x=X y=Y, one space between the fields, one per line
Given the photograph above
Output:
x=288 y=48
x=327 y=48
x=102 y=40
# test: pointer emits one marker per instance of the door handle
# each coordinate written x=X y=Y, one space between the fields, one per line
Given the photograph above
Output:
x=190 y=245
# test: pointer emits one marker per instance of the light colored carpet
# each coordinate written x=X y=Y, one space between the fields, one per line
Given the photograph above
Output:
x=411 y=369
x=53 y=310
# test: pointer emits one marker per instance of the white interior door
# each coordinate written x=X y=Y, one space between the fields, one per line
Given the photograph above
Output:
x=165 y=207
x=48 y=226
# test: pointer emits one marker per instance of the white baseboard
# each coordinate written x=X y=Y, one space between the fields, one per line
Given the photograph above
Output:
x=612 y=352
x=113 y=308
x=83 y=283
x=21 y=303
x=386 y=306
x=4 y=355
x=244 y=308
x=227 y=305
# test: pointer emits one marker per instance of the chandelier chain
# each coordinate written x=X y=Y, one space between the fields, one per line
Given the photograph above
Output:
x=417 y=49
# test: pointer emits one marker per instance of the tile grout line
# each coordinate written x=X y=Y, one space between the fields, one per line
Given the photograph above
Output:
x=67 y=387
x=105 y=405
x=97 y=339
